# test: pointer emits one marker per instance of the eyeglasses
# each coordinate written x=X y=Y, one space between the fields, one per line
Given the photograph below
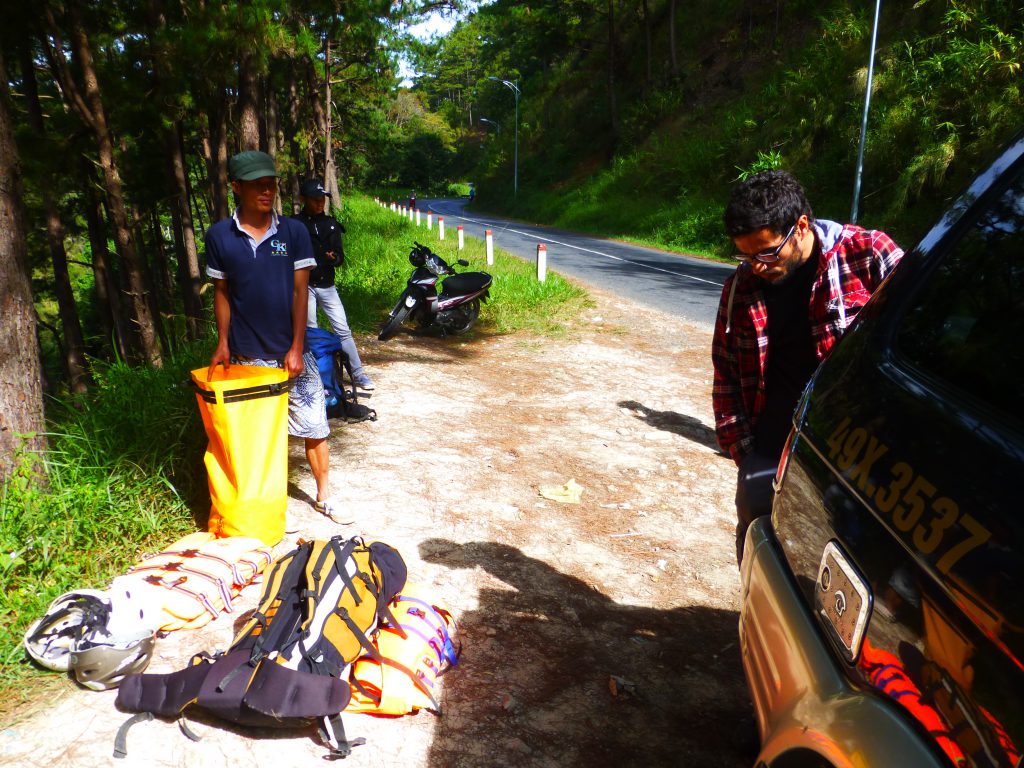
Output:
x=771 y=255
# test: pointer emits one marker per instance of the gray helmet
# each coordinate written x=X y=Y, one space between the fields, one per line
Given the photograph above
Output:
x=70 y=617
x=101 y=662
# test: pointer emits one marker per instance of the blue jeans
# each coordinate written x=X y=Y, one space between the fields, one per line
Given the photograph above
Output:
x=330 y=302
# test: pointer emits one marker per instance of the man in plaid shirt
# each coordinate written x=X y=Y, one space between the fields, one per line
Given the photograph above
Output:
x=805 y=280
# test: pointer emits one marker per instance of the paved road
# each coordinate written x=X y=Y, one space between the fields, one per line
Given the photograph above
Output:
x=681 y=285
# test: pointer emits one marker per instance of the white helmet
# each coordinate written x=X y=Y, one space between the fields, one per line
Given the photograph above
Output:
x=101 y=662
x=70 y=617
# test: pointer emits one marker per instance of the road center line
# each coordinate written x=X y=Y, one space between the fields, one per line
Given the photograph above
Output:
x=506 y=228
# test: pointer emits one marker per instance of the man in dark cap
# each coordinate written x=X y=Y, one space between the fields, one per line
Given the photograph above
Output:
x=260 y=264
x=329 y=251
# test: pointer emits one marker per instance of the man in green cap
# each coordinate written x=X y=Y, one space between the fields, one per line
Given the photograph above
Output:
x=260 y=264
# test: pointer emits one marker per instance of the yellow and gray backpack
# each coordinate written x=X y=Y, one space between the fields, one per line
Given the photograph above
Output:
x=288 y=666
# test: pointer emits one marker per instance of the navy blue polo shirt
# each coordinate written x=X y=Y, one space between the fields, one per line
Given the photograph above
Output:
x=261 y=282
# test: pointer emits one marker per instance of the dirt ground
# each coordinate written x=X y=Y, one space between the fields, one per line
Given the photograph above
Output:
x=598 y=633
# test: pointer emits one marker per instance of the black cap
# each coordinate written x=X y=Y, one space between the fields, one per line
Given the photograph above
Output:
x=313 y=188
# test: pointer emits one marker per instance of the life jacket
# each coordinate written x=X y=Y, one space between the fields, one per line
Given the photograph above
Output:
x=411 y=654
x=288 y=665
x=189 y=583
x=886 y=672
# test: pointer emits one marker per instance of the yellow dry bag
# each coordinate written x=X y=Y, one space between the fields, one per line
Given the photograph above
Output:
x=245 y=412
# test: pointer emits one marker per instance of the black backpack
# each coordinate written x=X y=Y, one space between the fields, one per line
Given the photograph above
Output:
x=288 y=666
x=334 y=365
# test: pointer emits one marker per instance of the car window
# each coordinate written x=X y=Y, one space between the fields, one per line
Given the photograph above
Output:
x=966 y=325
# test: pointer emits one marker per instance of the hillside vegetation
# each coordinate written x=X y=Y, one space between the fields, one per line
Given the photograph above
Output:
x=635 y=118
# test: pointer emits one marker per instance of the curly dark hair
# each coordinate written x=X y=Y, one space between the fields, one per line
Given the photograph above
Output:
x=772 y=199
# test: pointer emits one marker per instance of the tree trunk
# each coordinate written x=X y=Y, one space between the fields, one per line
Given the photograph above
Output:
x=177 y=177
x=673 y=55
x=248 y=120
x=21 y=392
x=73 y=347
x=270 y=115
x=648 y=67
x=613 y=107
x=165 y=292
x=319 y=120
x=90 y=108
x=108 y=297
x=200 y=204
x=154 y=274
x=330 y=175
x=215 y=151
x=269 y=138
x=291 y=134
x=184 y=234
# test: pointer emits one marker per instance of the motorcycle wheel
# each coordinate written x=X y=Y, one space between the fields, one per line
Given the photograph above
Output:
x=394 y=323
x=464 y=317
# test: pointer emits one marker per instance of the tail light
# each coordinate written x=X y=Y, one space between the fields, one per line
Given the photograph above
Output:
x=787 y=451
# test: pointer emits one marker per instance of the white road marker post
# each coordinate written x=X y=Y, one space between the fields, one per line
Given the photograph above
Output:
x=417 y=217
x=489 y=240
x=440 y=227
x=430 y=220
x=542 y=262
x=410 y=215
x=462 y=240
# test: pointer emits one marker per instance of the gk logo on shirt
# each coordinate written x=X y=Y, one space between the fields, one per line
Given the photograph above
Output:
x=280 y=248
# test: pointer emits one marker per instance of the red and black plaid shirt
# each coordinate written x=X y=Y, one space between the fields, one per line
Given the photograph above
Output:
x=858 y=257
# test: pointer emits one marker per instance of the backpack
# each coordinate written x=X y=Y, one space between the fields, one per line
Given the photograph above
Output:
x=333 y=364
x=411 y=654
x=288 y=665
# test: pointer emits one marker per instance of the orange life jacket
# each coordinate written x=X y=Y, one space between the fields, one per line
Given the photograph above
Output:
x=411 y=654
x=886 y=673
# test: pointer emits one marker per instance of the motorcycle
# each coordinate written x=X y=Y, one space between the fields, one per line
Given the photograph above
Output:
x=454 y=310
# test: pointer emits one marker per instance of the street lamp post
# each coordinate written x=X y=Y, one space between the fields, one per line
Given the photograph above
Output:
x=495 y=123
x=515 y=172
x=855 y=208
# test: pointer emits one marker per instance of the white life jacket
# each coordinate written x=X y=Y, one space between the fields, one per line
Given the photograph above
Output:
x=188 y=584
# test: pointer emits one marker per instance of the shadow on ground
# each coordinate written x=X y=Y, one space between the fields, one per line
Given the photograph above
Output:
x=426 y=347
x=554 y=673
x=677 y=423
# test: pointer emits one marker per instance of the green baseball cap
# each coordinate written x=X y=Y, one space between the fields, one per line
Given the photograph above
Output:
x=247 y=166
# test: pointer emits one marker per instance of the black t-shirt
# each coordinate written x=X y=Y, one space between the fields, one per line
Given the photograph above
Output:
x=791 y=357
x=325 y=232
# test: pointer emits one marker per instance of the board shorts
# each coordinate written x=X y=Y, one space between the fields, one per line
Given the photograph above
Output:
x=307 y=408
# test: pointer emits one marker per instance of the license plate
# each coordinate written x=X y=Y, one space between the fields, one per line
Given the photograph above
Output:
x=843 y=599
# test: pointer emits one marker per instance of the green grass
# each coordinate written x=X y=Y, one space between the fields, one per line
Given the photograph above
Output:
x=377 y=247
x=122 y=475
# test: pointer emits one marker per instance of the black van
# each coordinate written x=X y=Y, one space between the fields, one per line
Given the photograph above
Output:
x=883 y=600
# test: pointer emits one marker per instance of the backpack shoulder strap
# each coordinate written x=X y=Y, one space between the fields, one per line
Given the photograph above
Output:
x=343 y=365
x=278 y=609
x=333 y=734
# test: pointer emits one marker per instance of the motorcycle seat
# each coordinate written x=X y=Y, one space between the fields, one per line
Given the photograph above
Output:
x=465 y=282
